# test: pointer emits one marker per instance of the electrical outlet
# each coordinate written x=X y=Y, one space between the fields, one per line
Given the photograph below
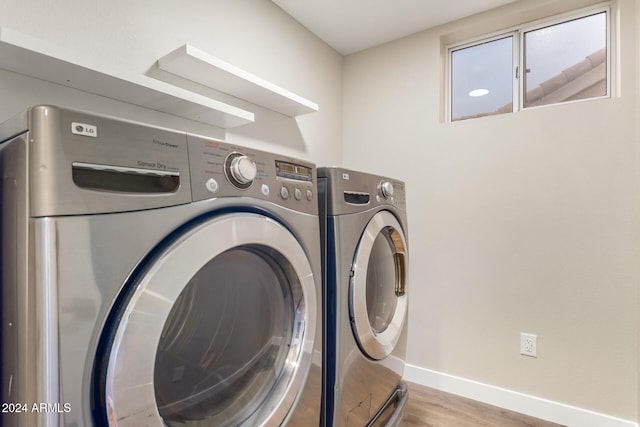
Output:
x=528 y=345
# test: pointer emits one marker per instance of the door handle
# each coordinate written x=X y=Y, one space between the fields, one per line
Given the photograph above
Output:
x=399 y=259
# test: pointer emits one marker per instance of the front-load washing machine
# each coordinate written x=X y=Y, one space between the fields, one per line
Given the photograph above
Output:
x=152 y=277
x=365 y=258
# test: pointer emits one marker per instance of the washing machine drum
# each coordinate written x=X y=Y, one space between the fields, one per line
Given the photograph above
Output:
x=217 y=330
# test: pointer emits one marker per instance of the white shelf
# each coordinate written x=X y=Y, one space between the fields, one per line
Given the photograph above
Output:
x=198 y=66
x=32 y=57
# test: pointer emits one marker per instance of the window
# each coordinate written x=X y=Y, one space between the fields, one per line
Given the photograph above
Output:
x=566 y=61
x=482 y=79
x=563 y=60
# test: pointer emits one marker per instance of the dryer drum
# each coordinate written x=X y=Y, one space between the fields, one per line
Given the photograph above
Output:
x=226 y=339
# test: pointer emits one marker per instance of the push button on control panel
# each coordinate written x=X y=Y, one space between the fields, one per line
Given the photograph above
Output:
x=297 y=193
x=212 y=185
x=284 y=192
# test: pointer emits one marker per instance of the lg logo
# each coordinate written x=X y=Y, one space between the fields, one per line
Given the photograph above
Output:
x=84 y=129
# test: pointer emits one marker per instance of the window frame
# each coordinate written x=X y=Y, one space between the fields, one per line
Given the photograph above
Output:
x=518 y=33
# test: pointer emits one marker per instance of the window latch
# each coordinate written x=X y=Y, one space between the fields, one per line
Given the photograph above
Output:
x=527 y=70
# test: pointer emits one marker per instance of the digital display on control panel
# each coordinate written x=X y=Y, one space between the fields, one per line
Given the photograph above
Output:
x=293 y=171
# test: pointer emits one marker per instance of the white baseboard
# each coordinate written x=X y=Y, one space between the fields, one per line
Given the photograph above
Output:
x=514 y=401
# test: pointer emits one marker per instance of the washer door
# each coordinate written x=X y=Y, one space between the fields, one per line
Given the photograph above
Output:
x=218 y=331
x=378 y=302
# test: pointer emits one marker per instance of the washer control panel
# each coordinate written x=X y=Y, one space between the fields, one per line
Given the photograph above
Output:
x=220 y=169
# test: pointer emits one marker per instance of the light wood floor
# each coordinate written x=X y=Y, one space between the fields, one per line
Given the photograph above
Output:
x=432 y=408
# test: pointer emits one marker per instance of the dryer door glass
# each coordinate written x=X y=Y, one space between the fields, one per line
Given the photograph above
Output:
x=226 y=339
x=378 y=302
x=218 y=329
x=382 y=278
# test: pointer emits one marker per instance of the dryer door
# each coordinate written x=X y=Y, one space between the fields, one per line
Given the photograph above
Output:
x=218 y=330
x=377 y=298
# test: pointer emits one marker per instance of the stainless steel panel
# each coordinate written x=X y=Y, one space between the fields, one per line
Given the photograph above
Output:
x=208 y=156
x=18 y=381
x=46 y=313
x=54 y=147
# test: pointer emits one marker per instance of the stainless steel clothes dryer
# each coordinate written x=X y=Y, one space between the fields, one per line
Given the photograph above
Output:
x=365 y=258
x=152 y=277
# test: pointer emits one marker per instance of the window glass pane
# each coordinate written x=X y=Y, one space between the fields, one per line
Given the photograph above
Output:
x=566 y=62
x=481 y=79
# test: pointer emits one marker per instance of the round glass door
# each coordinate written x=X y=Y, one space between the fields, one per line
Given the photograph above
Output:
x=378 y=301
x=218 y=331
x=226 y=339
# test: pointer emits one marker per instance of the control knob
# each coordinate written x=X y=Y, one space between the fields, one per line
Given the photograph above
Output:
x=386 y=189
x=241 y=170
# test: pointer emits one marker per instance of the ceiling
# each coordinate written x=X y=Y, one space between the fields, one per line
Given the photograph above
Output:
x=353 y=25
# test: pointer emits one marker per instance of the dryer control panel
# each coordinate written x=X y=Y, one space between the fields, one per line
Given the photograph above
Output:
x=221 y=169
x=84 y=163
x=350 y=191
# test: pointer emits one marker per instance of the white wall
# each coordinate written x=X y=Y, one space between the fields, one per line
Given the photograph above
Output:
x=525 y=222
x=255 y=35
